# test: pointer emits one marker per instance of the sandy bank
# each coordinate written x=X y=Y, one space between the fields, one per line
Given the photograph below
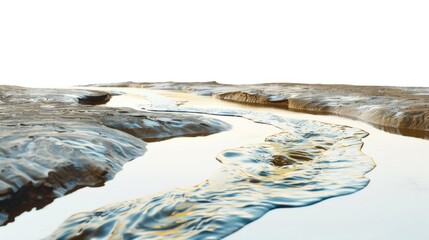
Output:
x=403 y=110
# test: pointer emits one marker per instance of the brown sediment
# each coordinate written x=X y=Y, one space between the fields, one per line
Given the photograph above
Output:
x=55 y=141
x=401 y=110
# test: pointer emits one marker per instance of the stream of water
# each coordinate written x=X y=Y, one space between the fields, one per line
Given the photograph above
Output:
x=399 y=187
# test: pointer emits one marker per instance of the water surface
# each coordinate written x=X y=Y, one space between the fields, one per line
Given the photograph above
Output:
x=166 y=164
x=306 y=162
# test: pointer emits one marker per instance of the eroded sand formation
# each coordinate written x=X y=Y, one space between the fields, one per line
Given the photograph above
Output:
x=403 y=110
x=54 y=141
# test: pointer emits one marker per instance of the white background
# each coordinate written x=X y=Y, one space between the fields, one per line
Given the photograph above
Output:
x=48 y=43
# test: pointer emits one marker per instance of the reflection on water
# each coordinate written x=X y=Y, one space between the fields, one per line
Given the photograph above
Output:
x=306 y=162
x=405 y=131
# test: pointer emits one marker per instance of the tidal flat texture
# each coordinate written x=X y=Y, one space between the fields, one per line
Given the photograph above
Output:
x=55 y=141
x=306 y=162
x=402 y=110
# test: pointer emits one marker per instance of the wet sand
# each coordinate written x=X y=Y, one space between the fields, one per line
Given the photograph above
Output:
x=394 y=205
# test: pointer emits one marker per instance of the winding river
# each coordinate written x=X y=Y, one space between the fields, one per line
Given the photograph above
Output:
x=396 y=198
